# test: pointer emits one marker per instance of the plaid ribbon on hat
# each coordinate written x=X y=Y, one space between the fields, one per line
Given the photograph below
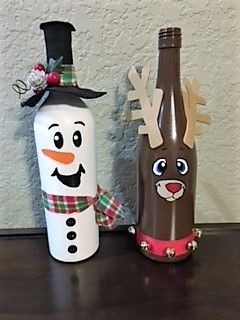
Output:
x=68 y=76
x=107 y=208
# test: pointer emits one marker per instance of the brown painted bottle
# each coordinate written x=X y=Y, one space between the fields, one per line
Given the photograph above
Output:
x=167 y=174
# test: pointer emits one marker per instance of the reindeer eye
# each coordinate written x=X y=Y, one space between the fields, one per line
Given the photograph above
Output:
x=159 y=166
x=182 y=166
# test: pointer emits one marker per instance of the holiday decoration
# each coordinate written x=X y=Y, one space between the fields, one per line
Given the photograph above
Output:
x=39 y=67
x=64 y=129
x=53 y=78
x=37 y=80
x=167 y=156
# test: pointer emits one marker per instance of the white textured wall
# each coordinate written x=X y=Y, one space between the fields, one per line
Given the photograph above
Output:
x=111 y=36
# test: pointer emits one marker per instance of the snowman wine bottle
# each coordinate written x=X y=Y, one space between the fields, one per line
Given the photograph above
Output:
x=167 y=156
x=65 y=141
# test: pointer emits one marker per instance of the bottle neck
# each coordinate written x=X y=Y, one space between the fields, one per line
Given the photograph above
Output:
x=172 y=120
x=168 y=77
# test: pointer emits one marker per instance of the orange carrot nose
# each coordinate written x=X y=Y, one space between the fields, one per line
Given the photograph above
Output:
x=62 y=157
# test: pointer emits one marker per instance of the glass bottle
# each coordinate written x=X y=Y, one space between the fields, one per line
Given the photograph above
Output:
x=167 y=174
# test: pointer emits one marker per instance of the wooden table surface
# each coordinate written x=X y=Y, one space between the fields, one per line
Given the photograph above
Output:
x=119 y=282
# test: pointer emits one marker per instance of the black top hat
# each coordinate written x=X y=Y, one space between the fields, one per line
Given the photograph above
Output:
x=58 y=39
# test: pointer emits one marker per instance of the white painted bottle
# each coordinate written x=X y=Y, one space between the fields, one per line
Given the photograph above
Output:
x=58 y=131
x=65 y=141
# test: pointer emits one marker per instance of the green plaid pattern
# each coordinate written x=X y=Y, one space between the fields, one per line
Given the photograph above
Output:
x=107 y=208
x=68 y=76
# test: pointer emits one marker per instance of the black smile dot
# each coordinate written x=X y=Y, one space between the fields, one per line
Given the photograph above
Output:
x=70 y=222
x=72 y=249
x=71 y=235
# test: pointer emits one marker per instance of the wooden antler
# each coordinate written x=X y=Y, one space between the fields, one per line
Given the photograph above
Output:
x=191 y=99
x=148 y=112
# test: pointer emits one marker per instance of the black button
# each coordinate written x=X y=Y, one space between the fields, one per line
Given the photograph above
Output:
x=72 y=249
x=70 y=222
x=71 y=235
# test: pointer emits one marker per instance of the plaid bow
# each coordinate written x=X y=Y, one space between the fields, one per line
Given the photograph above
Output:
x=107 y=208
x=68 y=76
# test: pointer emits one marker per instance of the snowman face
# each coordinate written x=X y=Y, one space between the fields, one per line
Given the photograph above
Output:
x=72 y=180
x=65 y=140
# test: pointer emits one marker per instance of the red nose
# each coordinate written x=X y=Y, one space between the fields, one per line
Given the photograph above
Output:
x=173 y=187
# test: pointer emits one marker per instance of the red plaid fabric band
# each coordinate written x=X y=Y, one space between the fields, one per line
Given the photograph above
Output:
x=107 y=208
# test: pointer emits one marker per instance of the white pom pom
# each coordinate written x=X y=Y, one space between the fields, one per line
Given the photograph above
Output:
x=37 y=80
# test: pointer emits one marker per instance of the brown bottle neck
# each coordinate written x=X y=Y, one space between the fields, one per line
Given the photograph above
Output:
x=168 y=77
x=172 y=120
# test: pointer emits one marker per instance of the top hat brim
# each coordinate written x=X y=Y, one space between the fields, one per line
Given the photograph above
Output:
x=36 y=99
x=79 y=92
x=39 y=98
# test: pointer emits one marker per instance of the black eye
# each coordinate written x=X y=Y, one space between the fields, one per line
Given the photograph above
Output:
x=58 y=140
x=159 y=166
x=77 y=138
x=182 y=166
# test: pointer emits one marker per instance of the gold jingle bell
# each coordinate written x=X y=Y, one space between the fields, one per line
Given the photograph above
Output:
x=144 y=245
x=131 y=230
x=192 y=245
x=170 y=252
x=197 y=232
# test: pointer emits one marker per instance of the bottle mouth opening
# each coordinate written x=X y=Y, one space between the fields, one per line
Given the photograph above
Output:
x=170 y=38
x=170 y=32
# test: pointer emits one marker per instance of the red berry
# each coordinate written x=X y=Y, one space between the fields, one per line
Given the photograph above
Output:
x=39 y=67
x=53 y=78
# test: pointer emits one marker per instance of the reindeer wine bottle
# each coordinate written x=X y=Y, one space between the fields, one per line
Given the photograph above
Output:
x=167 y=170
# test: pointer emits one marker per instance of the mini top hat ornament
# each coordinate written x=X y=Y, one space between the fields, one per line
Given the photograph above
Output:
x=58 y=75
x=64 y=131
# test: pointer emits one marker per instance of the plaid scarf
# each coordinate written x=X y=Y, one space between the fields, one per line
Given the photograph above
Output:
x=107 y=208
x=68 y=76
